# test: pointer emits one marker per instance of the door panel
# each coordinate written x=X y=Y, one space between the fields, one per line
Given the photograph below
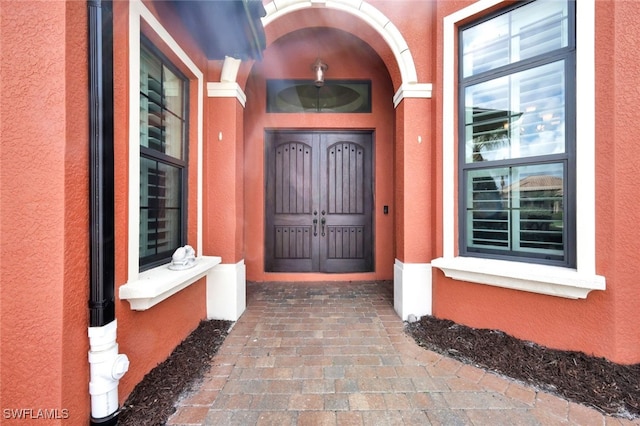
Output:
x=346 y=193
x=318 y=202
x=291 y=191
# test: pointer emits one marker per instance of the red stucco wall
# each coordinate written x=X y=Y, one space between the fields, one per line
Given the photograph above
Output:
x=223 y=177
x=617 y=167
x=44 y=208
x=603 y=324
x=414 y=174
x=44 y=189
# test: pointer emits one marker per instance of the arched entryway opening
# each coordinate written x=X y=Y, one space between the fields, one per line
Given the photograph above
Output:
x=308 y=180
x=359 y=42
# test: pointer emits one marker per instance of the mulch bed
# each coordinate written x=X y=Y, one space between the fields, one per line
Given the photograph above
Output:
x=153 y=399
x=611 y=388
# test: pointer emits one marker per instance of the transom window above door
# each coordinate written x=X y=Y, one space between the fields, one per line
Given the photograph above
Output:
x=337 y=96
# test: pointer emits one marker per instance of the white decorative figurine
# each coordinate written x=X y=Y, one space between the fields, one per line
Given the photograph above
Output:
x=183 y=258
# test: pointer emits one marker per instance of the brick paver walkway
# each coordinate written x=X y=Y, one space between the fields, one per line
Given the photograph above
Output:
x=336 y=354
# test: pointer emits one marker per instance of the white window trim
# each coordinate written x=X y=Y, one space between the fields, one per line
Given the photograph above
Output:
x=157 y=281
x=543 y=279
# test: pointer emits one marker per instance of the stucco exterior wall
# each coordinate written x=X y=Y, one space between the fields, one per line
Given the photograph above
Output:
x=44 y=208
x=44 y=212
x=223 y=189
x=602 y=324
x=414 y=181
x=618 y=150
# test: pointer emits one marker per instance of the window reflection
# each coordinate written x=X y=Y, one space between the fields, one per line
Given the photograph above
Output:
x=528 y=31
x=519 y=115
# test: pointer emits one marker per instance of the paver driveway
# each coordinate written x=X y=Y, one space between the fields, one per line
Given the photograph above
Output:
x=336 y=354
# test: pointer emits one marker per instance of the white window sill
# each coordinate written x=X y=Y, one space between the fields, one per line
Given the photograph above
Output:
x=542 y=279
x=157 y=284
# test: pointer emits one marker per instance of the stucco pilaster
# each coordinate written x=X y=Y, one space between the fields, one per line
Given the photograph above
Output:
x=414 y=177
x=223 y=174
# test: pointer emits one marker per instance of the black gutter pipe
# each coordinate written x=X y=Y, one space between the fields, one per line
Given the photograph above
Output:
x=101 y=298
x=101 y=172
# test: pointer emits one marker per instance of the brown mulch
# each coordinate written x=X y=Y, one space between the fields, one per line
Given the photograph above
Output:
x=153 y=399
x=613 y=389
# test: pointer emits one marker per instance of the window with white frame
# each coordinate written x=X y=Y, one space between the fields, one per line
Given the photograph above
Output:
x=517 y=136
x=163 y=158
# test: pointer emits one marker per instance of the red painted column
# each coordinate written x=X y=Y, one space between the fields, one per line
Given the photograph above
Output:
x=415 y=208
x=414 y=175
x=223 y=186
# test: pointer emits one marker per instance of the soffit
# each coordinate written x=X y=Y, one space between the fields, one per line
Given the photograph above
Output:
x=225 y=27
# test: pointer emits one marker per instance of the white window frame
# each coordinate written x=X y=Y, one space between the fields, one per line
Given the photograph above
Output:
x=536 y=278
x=145 y=289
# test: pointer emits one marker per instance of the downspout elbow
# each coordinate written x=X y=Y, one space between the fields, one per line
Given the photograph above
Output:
x=107 y=367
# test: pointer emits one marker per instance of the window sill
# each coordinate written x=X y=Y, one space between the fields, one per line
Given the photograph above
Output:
x=157 y=284
x=542 y=279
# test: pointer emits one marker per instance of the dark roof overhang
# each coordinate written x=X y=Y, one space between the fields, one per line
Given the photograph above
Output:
x=225 y=27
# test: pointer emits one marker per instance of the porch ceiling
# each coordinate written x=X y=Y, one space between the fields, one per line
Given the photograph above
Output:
x=225 y=27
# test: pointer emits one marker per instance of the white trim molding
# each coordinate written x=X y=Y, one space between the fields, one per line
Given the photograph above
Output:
x=543 y=279
x=226 y=89
x=157 y=284
x=412 y=289
x=230 y=68
x=363 y=10
x=226 y=291
x=413 y=90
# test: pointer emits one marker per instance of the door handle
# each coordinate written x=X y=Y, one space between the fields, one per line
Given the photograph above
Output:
x=322 y=222
x=315 y=224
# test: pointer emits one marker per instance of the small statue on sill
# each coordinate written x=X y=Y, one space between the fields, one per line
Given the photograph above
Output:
x=183 y=258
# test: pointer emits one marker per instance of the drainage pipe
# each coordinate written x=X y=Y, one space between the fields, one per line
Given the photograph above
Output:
x=106 y=365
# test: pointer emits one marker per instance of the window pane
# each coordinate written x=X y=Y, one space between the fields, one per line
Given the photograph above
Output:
x=151 y=124
x=150 y=73
x=161 y=107
x=517 y=209
x=537 y=197
x=160 y=207
x=520 y=115
x=173 y=92
x=528 y=31
x=485 y=46
x=487 y=209
x=173 y=135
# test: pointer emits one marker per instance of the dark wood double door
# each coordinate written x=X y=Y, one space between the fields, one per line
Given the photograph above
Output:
x=319 y=201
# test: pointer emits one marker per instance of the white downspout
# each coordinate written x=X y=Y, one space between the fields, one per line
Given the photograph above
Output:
x=107 y=368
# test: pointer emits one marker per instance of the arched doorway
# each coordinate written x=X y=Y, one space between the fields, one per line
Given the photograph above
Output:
x=349 y=58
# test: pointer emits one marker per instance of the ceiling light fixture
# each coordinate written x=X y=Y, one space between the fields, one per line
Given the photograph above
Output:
x=318 y=68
